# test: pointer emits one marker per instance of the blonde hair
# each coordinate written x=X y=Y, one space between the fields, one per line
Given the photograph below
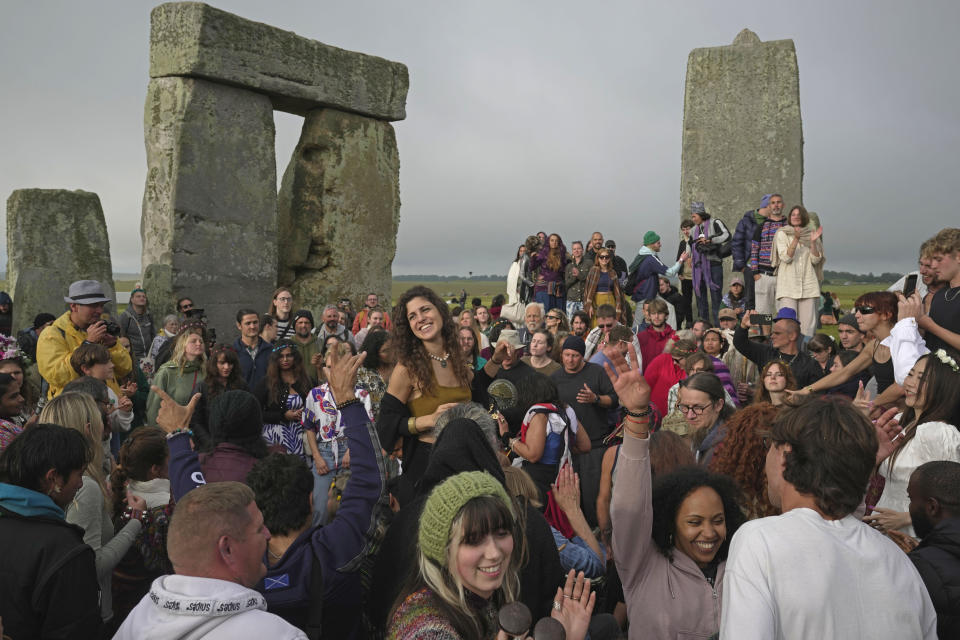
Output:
x=202 y=516
x=178 y=355
x=80 y=412
x=519 y=484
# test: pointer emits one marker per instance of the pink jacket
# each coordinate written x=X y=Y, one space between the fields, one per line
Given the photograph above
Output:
x=666 y=598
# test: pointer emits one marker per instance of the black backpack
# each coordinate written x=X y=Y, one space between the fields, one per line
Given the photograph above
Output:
x=725 y=248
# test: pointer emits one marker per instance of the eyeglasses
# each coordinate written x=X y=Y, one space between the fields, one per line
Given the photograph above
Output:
x=284 y=299
x=550 y=317
x=186 y=306
x=697 y=409
x=865 y=310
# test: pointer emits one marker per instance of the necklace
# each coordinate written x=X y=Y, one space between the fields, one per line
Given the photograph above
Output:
x=442 y=361
x=272 y=554
x=946 y=294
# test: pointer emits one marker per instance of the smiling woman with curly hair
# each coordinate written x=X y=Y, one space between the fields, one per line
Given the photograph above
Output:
x=431 y=375
x=743 y=456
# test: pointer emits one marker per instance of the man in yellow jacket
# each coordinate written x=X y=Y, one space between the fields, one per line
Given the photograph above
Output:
x=81 y=323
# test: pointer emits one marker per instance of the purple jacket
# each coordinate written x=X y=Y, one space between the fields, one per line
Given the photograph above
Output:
x=669 y=595
x=540 y=260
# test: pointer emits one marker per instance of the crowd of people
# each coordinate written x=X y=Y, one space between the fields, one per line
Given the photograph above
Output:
x=585 y=452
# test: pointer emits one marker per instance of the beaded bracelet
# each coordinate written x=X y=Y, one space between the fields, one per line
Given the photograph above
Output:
x=177 y=432
x=639 y=414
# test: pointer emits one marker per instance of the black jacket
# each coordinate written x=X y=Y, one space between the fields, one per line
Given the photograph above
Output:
x=48 y=579
x=937 y=558
x=805 y=369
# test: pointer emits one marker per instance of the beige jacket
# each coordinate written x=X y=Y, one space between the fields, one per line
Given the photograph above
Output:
x=797 y=276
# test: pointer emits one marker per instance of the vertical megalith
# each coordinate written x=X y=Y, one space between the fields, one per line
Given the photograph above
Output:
x=209 y=205
x=339 y=208
x=742 y=133
x=54 y=237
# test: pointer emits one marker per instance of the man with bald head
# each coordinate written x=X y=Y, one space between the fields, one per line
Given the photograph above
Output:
x=216 y=543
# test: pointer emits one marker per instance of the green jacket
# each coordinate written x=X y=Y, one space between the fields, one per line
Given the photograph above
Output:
x=181 y=385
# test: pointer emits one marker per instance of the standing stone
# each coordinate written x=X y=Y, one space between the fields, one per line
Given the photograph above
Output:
x=742 y=133
x=209 y=207
x=54 y=237
x=338 y=210
x=196 y=40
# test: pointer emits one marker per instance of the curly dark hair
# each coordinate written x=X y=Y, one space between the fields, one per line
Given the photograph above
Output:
x=743 y=455
x=669 y=492
x=372 y=345
x=282 y=485
x=410 y=350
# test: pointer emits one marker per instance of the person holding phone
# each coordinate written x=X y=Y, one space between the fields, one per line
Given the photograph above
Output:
x=784 y=345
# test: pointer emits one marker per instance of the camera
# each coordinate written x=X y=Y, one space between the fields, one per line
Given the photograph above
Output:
x=112 y=328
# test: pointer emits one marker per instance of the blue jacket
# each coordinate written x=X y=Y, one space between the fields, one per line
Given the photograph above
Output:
x=742 y=239
x=650 y=268
x=336 y=550
x=253 y=371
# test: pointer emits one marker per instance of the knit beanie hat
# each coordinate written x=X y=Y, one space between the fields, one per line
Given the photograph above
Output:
x=851 y=321
x=234 y=416
x=650 y=237
x=444 y=504
x=575 y=343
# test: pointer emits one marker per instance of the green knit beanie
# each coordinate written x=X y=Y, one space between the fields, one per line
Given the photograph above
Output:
x=444 y=504
x=650 y=237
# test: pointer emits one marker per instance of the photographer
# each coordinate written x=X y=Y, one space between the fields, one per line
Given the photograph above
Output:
x=80 y=324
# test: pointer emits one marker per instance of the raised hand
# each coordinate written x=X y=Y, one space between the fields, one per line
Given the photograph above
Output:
x=911 y=307
x=575 y=605
x=889 y=434
x=566 y=491
x=628 y=382
x=172 y=415
x=342 y=375
x=862 y=400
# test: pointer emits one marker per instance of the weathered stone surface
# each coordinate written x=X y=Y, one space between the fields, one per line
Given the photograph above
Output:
x=209 y=206
x=54 y=237
x=742 y=132
x=338 y=210
x=299 y=74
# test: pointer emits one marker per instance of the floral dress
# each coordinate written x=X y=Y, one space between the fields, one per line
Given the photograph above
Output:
x=289 y=435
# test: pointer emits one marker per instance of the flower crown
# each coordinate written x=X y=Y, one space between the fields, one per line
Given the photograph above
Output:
x=943 y=357
x=9 y=349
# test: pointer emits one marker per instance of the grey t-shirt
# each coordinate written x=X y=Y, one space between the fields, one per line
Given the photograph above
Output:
x=592 y=416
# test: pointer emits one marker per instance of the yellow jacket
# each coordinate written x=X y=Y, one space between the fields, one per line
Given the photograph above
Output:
x=55 y=346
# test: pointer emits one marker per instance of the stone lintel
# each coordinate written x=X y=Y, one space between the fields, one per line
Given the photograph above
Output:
x=298 y=74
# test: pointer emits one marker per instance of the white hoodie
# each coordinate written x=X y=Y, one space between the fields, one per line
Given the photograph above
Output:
x=188 y=608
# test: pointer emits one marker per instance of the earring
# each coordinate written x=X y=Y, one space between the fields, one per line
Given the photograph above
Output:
x=670 y=539
x=55 y=490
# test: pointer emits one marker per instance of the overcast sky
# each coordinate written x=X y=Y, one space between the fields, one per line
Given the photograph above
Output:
x=522 y=116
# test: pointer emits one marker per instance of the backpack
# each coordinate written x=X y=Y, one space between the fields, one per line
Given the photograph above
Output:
x=725 y=248
x=632 y=279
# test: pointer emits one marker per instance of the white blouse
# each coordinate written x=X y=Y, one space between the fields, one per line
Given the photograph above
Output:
x=933 y=441
x=796 y=275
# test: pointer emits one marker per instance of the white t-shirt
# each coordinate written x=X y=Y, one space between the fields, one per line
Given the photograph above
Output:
x=799 y=576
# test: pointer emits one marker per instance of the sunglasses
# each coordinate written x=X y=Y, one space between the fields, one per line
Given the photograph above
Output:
x=605 y=326
x=549 y=317
x=603 y=257
x=865 y=310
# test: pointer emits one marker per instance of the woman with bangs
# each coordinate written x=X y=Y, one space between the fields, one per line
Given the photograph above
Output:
x=876 y=313
x=551 y=261
x=431 y=375
x=930 y=432
x=469 y=552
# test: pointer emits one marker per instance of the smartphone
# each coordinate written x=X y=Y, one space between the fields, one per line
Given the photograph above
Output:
x=910 y=286
x=761 y=318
